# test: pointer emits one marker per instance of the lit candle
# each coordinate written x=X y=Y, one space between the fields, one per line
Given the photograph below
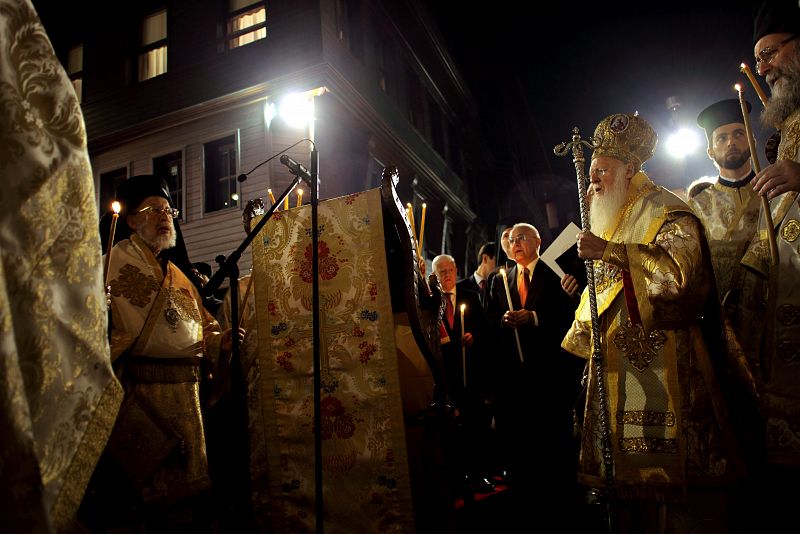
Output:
x=422 y=226
x=410 y=212
x=271 y=196
x=773 y=244
x=116 y=207
x=759 y=91
x=299 y=198
x=511 y=308
x=463 y=348
x=286 y=202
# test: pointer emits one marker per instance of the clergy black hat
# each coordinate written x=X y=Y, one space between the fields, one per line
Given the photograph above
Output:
x=721 y=113
x=130 y=194
x=775 y=16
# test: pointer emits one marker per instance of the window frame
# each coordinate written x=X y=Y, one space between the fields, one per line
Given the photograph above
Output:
x=236 y=134
x=110 y=169
x=181 y=204
x=230 y=16
x=75 y=76
x=145 y=49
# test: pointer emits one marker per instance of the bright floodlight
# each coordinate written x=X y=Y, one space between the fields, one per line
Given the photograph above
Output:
x=682 y=143
x=297 y=110
x=269 y=113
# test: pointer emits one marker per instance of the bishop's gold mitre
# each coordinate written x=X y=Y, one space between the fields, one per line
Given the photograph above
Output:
x=628 y=138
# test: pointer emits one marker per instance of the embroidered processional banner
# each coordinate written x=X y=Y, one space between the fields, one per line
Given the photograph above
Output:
x=365 y=468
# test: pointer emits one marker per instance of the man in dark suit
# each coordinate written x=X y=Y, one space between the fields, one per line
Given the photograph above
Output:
x=464 y=384
x=478 y=281
x=535 y=382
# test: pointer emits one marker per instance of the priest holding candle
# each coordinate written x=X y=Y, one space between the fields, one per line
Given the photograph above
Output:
x=163 y=343
x=535 y=383
x=776 y=47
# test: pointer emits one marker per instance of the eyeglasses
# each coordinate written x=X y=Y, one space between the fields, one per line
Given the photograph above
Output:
x=769 y=53
x=520 y=238
x=172 y=212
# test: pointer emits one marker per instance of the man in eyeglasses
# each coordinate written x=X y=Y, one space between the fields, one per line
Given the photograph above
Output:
x=661 y=342
x=162 y=342
x=534 y=390
x=777 y=50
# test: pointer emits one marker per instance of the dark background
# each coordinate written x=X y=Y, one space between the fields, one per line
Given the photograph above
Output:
x=578 y=63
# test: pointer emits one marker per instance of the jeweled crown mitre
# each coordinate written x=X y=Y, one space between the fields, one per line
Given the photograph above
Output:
x=628 y=138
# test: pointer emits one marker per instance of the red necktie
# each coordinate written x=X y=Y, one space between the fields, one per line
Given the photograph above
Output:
x=523 y=287
x=448 y=309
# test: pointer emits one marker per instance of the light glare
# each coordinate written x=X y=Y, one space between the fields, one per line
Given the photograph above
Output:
x=682 y=143
x=297 y=110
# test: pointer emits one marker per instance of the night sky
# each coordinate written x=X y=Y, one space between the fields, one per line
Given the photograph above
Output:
x=580 y=66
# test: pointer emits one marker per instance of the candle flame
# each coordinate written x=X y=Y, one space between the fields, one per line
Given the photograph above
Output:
x=300 y=192
x=424 y=205
x=116 y=206
x=408 y=205
x=743 y=66
x=738 y=87
x=463 y=307
x=502 y=272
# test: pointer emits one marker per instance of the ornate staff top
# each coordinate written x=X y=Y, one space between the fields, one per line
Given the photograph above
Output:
x=617 y=126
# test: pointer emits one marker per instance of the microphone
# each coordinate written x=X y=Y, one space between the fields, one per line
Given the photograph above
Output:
x=242 y=177
x=295 y=168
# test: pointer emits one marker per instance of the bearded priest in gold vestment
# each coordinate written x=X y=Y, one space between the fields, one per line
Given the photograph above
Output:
x=776 y=47
x=162 y=342
x=657 y=302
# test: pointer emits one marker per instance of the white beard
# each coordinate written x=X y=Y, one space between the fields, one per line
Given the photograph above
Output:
x=604 y=210
x=785 y=97
x=161 y=242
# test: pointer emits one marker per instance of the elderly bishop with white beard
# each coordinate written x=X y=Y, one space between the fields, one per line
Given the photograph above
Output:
x=661 y=342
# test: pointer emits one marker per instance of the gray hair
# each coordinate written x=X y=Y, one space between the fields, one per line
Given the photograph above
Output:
x=441 y=257
x=530 y=227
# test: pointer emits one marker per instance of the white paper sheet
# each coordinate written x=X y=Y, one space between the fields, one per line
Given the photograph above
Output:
x=563 y=242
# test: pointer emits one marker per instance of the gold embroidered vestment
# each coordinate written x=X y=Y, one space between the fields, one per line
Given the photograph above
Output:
x=665 y=431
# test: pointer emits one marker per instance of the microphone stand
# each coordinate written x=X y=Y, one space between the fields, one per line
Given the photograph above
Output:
x=314 y=185
x=229 y=268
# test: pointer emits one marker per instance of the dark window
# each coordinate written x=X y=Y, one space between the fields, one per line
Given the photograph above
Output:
x=108 y=186
x=437 y=132
x=75 y=69
x=355 y=39
x=220 y=179
x=416 y=104
x=454 y=153
x=170 y=168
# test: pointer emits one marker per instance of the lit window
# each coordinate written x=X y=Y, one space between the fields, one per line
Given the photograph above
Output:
x=247 y=22
x=153 y=52
x=75 y=69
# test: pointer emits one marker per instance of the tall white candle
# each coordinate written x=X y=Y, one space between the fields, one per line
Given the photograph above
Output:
x=511 y=308
x=463 y=348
